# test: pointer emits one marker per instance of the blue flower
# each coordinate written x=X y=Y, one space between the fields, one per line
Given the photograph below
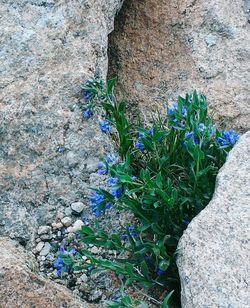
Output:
x=228 y=138
x=58 y=263
x=130 y=231
x=62 y=249
x=104 y=126
x=88 y=95
x=61 y=149
x=151 y=131
x=117 y=192
x=160 y=272
x=184 y=111
x=60 y=266
x=189 y=135
x=195 y=138
x=112 y=159
x=133 y=178
x=201 y=127
x=108 y=205
x=102 y=169
x=72 y=251
x=186 y=222
x=172 y=109
x=139 y=144
x=96 y=198
x=87 y=113
x=113 y=181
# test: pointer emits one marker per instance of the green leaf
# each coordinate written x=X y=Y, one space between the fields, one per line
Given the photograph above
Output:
x=166 y=302
x=164 y=264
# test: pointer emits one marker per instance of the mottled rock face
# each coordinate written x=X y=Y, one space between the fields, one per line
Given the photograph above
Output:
x=163 y=48
x=214 y=250
x=48 y=48
x=21 y=286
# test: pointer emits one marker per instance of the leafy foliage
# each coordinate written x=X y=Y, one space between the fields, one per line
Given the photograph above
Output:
x=165 y=177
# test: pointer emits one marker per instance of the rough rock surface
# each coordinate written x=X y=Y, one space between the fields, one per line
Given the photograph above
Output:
x=215 y=249
x=47 y=152
x=21 y=286
x=163 y=48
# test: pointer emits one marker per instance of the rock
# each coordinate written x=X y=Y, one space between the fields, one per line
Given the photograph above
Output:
x=39 y=247
x=84 y=278
x=95 y=250
x=95 y=295
x=77 y=225
x=215 y=246
x=77 y=207
x=68 y=211
x=46 y=249
x=171 y=47
x=58 y=225
x=43 y=230
x=48 y=50
x=18 y=272
x=66 y=221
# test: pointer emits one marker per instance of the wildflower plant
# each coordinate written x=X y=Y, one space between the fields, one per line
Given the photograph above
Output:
x=165 y=177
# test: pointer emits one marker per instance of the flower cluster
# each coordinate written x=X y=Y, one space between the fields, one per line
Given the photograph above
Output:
x=117 y=189
x=96 y=201
x=104 y=126
x=88 y=95
x=59 y=264
x=139 y=141
x=228 y=138
x=131 y=231
x=192 y=135
x=171 y=111
x=110 y=159
x=102 y=168
x=87 y=113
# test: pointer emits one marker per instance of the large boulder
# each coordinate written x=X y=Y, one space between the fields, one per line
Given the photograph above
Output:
x=21 y=286
x=214 y=251
x=47 y=152
x=163 y=48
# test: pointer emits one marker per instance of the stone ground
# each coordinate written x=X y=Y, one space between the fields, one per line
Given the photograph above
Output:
x=49 y=154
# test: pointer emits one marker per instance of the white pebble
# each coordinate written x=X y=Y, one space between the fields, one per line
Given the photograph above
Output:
x=46 y=249
x=67 y=221
x=77 y=207
x=39 y=247
x=84 y=278
x=43 y=230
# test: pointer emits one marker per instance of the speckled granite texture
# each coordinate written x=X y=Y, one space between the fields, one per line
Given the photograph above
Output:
x=214 y=251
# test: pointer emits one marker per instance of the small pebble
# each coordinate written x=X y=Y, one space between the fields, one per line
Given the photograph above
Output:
x=58 y=225
x=67 y=221
x=77 y=207
x=46 y=237
x=59 y=215
x=77 y=225
x=46 y=249
x=94 y=250
x=68 y=211
x=39 y=247
x=84 y=278
x=43 y=230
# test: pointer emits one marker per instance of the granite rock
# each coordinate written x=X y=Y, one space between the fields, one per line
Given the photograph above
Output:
x=170 y=47
x=215 y=248
x=48 y=48
x=21 y=286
